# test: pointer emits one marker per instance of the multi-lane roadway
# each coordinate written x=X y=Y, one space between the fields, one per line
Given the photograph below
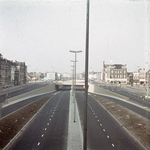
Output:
x=49 y=128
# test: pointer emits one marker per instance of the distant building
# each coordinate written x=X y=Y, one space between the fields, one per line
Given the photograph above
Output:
x=114 y=73
x=148 y=77
x=13 y=69
x=136 y=77
x=22 y=69
x=5 y=72
x=141 y=75
x=50 y=76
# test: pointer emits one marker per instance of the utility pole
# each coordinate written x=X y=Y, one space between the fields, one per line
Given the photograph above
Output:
x=86 y=79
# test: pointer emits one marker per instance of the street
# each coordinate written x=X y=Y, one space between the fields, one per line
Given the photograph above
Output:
x=49 y=128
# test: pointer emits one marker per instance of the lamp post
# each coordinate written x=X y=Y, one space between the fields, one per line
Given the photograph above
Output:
x=147 y=79
x=86 y=77
x=75 y=52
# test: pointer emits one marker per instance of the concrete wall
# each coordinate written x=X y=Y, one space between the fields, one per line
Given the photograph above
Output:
x=95 y=89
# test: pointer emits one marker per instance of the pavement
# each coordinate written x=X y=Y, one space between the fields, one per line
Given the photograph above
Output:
x=75 y=135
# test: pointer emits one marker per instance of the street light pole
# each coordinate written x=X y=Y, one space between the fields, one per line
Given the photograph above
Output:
x=147 y=79
x=75 y=79
x=86 y=78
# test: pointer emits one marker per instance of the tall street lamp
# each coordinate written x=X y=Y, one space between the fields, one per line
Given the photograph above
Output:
x=147 y=79
x=75 y=52
x=86 y=77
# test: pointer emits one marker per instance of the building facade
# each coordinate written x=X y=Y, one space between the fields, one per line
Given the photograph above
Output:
x=116 y=73
x=11 y=73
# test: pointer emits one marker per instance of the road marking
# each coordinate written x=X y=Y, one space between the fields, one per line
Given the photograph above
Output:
x=53 y=112
x=113 y=145
x=95 y=116
x=45 y=128
x=51 y=115
x=38 y=143
x=107 y=136
x=47 y=123
x=104 y=130
x=42 y=135
x=50 y=119
x=98 y=120
x=100 y=124
x=94 y=113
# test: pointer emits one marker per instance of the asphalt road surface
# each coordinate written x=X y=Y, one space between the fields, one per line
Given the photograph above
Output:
x=24 y=89
x=132 y=96
x=49 y=129
x=11 y=108
x=102 y=130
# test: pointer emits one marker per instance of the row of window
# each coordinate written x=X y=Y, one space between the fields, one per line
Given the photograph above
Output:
x=118 y=76
x=118 y=71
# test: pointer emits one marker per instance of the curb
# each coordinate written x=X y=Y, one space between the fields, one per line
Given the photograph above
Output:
x=23 y=129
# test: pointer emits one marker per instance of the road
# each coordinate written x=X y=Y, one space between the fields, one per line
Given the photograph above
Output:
x=103 y=131
x=14 y=107
x=49 y=128
x=23 y=89
x=135 y=97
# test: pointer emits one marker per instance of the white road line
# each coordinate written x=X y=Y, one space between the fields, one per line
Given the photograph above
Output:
x=107 y=136
x=104 y=130
x=53 y=112
x=98 y=120
x=51 y=115
x=94 y=113
x=45 y=128
x=42 y=135
x=38 y=143
x=100 y=124
x=47 y=123
x=50 y=119
x=113 y=145
x=95 y=116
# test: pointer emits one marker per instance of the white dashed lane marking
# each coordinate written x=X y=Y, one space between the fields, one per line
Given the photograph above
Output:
x=47 y=123
x=101 y=124
x=38 y=143
x=45 y=128
x=42 y=135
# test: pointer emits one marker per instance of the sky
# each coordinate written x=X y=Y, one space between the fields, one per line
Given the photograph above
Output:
x=41 y=33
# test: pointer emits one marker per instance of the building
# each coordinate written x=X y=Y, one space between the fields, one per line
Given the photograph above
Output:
x=136 y=76
x=22 y=70
x=5 y=72
x=13 y=69
x=142 y=75
x=148 y=77
x=50 y=76
x=116 y=73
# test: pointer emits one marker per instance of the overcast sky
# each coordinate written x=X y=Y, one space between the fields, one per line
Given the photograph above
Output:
x=41 y=33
